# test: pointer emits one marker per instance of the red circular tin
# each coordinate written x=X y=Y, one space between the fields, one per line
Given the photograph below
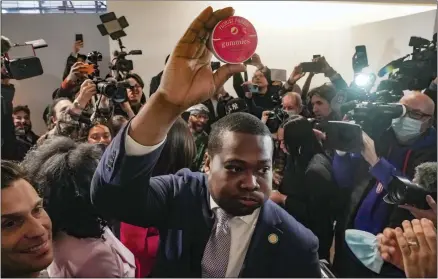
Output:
x=233 y=40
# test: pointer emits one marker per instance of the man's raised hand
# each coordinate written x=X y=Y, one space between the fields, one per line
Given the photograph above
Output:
x=188 y=79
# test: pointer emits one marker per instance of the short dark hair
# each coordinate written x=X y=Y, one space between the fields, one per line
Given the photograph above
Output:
x=21 y=108
x=326 y=91
x=137 y=78
x=167 y=59
x=11 y=172
x=62 y=170
x=53 y=105
x=239 y=122
x=179 y=150
x=85 y=129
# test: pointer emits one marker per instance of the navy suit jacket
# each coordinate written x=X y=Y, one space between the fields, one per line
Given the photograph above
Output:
x=179 y=206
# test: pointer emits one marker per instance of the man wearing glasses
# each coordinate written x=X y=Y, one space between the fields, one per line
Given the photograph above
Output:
x=410 y=141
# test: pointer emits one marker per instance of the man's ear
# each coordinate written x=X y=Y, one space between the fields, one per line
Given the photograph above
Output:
x=207 y=163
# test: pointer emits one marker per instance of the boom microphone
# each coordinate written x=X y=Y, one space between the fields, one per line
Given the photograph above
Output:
x=426 y=175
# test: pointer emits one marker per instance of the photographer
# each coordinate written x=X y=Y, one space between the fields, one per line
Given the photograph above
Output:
x=63 y=112
x=268 y=94
x=308 y=190
x=410 y=141
x=136 y=98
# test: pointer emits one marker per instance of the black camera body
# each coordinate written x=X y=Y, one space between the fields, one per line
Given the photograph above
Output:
x=402 y=191
x=94 y=57
x=116 y=91
x=420 y=70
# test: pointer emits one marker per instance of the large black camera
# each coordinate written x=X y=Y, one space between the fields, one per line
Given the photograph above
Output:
x=416 y=73
x=276 y=117
x=372 y=118
x=116 y=91
x=403 y=191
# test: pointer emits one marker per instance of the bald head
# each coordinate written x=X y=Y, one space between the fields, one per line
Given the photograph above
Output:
x=292 y=101
x=419 y=102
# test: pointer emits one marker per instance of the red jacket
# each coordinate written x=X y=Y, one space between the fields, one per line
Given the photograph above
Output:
x=143 y=243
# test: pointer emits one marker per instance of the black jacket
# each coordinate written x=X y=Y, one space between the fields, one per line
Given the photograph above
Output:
x=212 y=118
x=311 y=191
x=155 y=83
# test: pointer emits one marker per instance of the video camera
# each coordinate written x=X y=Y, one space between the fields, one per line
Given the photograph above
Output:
x=416 y=73
x=22 y=67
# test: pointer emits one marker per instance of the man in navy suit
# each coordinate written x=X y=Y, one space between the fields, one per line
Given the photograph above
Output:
x=218 y=224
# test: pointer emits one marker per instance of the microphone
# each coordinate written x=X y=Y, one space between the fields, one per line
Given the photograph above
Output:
x=426 y=175
x=5 y=45
x=403 y=191
x=395 y=64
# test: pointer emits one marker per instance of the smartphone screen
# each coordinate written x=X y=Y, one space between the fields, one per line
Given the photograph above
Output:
x=79 y=37
x=253 y=88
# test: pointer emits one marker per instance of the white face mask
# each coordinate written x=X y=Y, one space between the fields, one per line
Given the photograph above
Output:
x=291 y=112
x=406 y=128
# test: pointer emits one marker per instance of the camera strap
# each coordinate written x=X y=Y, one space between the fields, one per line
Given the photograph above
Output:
x=406 y=160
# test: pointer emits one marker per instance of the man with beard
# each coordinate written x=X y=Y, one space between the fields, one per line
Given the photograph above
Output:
x=198 y=120
x=23 y=125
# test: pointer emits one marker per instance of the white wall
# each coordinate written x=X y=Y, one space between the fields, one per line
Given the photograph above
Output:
x=289 y=32
x=58 y=30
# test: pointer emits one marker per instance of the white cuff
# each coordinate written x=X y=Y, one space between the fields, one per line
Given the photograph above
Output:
x=133 y=148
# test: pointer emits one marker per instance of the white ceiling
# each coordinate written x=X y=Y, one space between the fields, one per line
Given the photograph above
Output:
x=321 y=14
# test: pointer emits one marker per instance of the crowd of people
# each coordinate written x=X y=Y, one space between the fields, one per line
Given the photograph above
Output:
x=195 y=182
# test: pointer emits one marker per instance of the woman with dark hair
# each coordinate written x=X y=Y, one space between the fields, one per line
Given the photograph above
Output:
x=308 y=190
x=84 y=246
x=99 y=132
x=178 y=153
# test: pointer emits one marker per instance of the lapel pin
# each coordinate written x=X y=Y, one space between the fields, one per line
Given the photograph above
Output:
x=273 y=238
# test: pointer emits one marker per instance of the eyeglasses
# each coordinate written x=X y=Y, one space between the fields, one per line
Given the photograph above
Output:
x=415 y=114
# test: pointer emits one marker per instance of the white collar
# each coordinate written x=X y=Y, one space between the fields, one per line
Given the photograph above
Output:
x=248 y=219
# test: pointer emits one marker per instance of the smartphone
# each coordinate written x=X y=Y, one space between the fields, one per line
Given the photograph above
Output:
x=79 y=37
x=278 y=75
x=89 y=69
x=360 y=59
x=311 y=67
x=316 y=56
x=251 y=88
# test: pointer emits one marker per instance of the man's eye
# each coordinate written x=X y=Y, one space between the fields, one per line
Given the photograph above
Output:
x=234 y=169
x=37 y=210
x=264 y=170
x=8 y=224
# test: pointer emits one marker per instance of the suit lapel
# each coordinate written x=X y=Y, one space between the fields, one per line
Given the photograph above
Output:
x=264 y=243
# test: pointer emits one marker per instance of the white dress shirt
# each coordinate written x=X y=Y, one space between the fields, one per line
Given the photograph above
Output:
x=241 y=227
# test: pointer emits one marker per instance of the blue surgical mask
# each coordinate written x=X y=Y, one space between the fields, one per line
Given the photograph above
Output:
x=364 y=246
x=406 y=128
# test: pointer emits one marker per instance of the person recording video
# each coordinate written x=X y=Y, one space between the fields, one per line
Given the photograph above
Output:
x=410 y=141
x=136 y=98
x=260 y=93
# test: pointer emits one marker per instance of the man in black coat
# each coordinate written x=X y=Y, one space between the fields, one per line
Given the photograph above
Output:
x=156 y=80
